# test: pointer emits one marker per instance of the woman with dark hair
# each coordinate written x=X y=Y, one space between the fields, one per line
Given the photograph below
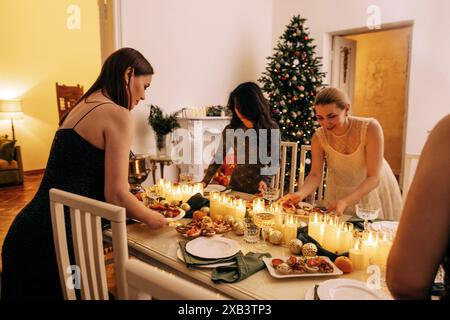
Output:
x=250 y=116
x=89 y=157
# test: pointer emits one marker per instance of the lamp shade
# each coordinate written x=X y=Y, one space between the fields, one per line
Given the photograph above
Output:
x=11 y=109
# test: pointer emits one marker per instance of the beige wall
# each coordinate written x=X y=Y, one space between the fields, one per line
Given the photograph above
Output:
x=37 y=50
x=380 y=85
x=428 y=94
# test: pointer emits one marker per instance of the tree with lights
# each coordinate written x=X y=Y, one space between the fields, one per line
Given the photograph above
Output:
x=291 y=81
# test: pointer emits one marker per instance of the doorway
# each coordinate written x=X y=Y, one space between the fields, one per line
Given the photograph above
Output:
x=373 y=68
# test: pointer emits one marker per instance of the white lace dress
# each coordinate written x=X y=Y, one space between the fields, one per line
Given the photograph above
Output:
x=347 y=170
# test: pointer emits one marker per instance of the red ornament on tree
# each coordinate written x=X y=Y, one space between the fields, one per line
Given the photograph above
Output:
x=306 y=38
x=296 y=53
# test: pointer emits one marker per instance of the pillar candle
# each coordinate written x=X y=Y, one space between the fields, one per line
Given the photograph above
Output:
x=346 y=237
x=356 y=255
x=369 y=247
x=289 y=232
x=240 y=208
x=258 y=205
x=329 y=234
x=382 y=252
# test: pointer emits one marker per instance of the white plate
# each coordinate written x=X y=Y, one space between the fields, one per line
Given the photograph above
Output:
x=214 y=188
x=347 y=289
x=273 y=273
x=213 y=265
x=212 y=248
x=178 y=217
x=384 y=226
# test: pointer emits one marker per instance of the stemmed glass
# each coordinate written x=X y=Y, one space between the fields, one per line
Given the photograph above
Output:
x=271 y=194
x=367 y=211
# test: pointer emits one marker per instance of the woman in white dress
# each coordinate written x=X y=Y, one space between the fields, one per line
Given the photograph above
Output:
x=353 y=149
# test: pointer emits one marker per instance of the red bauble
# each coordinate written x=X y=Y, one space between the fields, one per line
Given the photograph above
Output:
x=306 y=38
x=283 y=78
x=296 y=53
x=294 y=98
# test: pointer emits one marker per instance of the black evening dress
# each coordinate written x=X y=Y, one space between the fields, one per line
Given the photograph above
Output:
x=28 y=256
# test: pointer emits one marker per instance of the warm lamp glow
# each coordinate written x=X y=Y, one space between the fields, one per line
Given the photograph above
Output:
x=11 y=110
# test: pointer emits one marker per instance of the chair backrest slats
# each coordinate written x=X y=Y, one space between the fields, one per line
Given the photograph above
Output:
x=62 y=253
x=281 y=174
x=147 y=281
x=302 y=171
x=85 y=218
x=97 y=238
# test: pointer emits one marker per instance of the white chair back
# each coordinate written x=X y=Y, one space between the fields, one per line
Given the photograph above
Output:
x=279 y=178
x=85 y=218
x=147 y=282
x=411 y=161
x=302 y=170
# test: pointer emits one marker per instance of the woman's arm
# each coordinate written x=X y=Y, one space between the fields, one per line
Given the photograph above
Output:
x=214 y=166
x=314 y=178
x=118 y=138
x=423 y=234
x=374 y=161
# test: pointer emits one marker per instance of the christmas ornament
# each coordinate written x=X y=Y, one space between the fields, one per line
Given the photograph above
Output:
x=296 y=53
x=296 y=62
x=301 y=88
x=275 y=237
x=284 y=110
x=295 y=245
x=309 y=250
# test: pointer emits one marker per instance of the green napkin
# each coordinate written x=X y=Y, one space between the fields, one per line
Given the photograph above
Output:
x=245 y=266
x=192 y=261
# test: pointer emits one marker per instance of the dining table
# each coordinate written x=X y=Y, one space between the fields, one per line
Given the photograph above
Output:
x=159 y=248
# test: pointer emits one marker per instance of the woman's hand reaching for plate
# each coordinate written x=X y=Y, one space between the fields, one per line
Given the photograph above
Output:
x=338 y=207
x=291 y=198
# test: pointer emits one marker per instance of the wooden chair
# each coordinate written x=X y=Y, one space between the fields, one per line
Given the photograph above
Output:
x=146 y=281
x=67 y=97
x=279 y=178
x=411 y=161
x=85 y=217
x=302 y=170
x=143 y=281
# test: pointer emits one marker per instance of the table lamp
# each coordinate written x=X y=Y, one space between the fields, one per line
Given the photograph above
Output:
x=11 y=109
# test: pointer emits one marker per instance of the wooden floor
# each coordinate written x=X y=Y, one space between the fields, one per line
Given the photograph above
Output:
x=14 y=198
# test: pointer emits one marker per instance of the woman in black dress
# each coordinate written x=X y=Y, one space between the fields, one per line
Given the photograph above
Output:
x=250 y=112
x=89 y=157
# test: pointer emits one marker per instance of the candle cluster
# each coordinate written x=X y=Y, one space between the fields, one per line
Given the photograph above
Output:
x=287 y=224
x=221 y=206
x=333 y=236
x=373 y=248
x=178 y=192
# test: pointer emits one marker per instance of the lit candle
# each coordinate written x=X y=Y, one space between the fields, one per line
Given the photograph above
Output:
x=258 y=205
x=279 y=216
x=289 y=230
x=239 y=209
x=356 y=256
x=329 y=234
x=382 y=252
x=346 y=237
x=314 y=227
x=369 y=247
x=214 y=199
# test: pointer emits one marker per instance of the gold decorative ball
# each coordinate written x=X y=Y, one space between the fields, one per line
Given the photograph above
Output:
x=309 y=250
x=295 y=245
x=275 y=237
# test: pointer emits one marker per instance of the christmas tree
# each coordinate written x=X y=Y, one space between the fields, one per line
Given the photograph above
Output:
x=291 y=81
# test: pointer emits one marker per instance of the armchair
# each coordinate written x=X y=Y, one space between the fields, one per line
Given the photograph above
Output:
x=12 y=172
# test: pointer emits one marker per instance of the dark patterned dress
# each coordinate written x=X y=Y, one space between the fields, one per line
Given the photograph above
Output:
x=246 y=176
x=29 y=261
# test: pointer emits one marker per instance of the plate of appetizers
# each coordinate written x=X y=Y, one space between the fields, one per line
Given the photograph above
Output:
x=172 y=213
x=292 y=267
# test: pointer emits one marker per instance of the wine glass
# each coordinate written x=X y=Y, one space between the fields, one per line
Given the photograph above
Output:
x=367 y=211
x=271 y=194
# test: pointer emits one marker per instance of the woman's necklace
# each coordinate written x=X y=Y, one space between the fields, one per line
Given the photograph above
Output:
x=346 y=131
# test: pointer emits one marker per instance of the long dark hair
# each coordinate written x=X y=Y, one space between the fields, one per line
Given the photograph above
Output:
x=111 y=79
x=250 y=101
